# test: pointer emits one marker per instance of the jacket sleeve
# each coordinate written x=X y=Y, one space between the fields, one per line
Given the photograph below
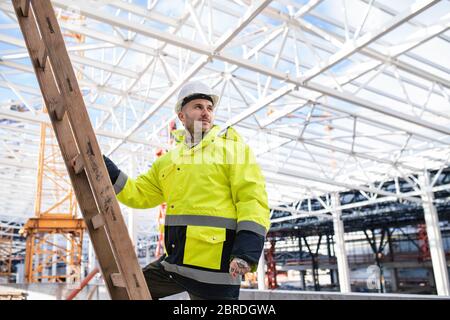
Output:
x=249 y=194
x=140 y=193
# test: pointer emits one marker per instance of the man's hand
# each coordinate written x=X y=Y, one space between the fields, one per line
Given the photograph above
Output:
x=238 y=267
x=113 y=171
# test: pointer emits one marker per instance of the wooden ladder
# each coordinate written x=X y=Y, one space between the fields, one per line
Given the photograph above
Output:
x=80 y=150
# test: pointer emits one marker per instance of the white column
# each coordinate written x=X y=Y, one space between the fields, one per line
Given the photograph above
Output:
x=394 y=280
x=261 y=272
x=20 y=273
x=131 y=217
x=341 y=255
x=54 y=249
x=69 y=267
x=91 y=255
x=434 y=236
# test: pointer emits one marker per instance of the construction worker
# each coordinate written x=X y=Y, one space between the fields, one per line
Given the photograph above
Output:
x=217 y=209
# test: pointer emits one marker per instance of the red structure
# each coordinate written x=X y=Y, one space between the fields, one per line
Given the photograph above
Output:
x=271 y=266
x=424 y=251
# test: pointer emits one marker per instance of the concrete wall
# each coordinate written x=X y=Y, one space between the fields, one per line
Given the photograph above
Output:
x=58 y=291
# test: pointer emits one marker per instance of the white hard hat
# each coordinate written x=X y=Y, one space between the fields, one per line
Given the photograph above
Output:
x=192 y=89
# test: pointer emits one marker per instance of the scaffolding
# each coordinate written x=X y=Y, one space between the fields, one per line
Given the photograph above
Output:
x=55 y=235
x=387 y=242
x=6 y=252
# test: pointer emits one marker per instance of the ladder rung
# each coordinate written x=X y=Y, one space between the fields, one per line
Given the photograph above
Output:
x=42 y=57
x=24 y=7
x=77 y=164
x=56 y=109
x=117 y=280
x=97 y=221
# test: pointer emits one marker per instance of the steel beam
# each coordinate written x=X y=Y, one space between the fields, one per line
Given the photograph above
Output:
x=212 y=52
x=350 y=48
x=198 y=65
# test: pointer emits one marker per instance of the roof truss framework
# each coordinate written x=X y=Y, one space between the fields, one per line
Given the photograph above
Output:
x=329 y=102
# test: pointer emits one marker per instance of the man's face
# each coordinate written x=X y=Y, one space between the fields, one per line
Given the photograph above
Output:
x=197 y=116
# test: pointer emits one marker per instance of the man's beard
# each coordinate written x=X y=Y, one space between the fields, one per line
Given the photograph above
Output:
x=196 y=129
x=196 y=132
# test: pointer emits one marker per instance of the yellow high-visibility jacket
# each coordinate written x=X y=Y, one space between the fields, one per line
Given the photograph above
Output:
x=217 y=209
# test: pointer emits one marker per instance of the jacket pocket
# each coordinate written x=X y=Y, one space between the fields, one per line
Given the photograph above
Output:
x=204 y=246
x=166 y=176
x=165 y=173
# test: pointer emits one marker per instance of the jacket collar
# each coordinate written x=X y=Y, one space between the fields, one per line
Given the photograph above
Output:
x=180 y=139
x=216 y=132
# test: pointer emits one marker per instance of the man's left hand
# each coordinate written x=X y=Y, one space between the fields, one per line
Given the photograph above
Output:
x=239 y=267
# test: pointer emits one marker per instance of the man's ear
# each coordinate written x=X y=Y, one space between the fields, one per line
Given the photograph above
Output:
x=181 y=116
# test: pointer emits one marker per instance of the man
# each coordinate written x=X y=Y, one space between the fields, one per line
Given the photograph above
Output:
x=217 y=210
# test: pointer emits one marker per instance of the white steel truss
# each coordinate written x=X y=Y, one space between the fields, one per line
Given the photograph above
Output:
x=329 y=98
